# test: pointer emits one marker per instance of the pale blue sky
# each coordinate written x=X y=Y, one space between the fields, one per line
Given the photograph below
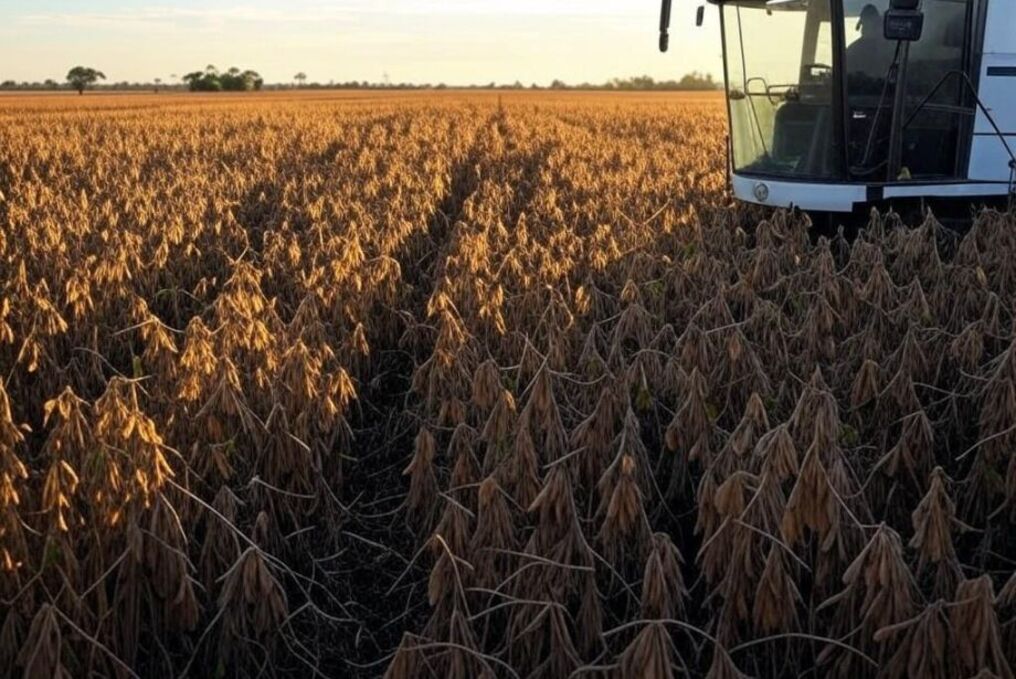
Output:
x=452 y=41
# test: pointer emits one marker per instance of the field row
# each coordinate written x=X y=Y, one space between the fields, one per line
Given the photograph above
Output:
x=468 y=385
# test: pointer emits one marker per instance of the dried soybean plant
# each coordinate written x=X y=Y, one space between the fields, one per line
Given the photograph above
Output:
x=424 y=385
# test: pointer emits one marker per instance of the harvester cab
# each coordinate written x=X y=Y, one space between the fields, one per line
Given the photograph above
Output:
x=835 y=105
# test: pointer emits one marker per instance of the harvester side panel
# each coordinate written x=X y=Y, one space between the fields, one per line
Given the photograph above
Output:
x=989 y=161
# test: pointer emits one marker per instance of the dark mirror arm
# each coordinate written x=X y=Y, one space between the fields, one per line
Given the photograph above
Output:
x=665 y=25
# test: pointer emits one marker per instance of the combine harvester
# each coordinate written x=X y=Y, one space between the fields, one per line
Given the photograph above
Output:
x=836 y=106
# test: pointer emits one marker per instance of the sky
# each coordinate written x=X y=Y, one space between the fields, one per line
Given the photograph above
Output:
x=419 y=41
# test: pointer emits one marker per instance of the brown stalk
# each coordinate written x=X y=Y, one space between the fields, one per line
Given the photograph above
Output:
x=979 y=645
x=934 y=522
x=421 y=501
x=649 y=655
x=495 y=533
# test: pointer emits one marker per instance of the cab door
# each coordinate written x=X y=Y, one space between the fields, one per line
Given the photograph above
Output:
x=938 y=109
x=935 y=127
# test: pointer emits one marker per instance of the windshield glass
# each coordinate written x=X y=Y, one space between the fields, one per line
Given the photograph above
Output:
x=869 y=59
x=780 y=75
x=931 y=136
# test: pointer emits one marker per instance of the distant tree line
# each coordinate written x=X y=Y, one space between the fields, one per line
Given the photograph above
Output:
x=50 y=85
x=691 y=81
x=235 y=80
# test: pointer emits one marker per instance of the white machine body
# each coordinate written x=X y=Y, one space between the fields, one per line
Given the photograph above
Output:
x=988 y=157
x=829 y=113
